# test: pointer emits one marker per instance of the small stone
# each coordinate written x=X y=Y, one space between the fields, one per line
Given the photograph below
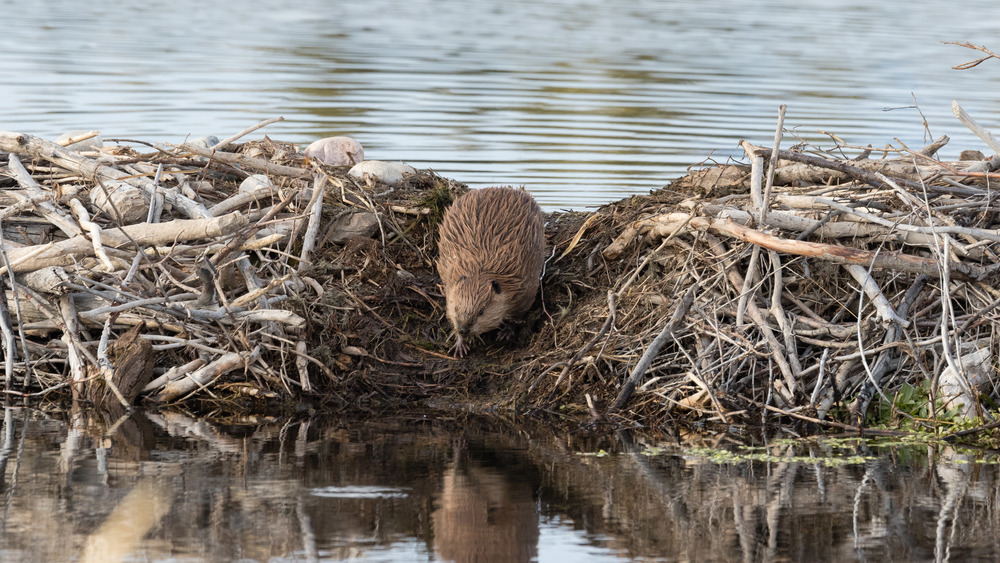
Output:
x=953 y=388
x=336 y=151
x=353 y=225
x=205 y=142
x=391 y=173
x=255 y=183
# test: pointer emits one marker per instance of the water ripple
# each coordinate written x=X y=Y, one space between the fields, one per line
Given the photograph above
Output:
x=582 y=101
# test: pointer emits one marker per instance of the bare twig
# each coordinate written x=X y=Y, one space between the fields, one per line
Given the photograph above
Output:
x=245 y=132
x=971 y=64
x=639 y=371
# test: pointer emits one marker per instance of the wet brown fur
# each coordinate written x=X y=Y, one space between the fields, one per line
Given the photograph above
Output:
x=490 y=259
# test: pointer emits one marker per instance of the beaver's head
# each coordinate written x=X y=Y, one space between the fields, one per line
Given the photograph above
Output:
x=477 y=303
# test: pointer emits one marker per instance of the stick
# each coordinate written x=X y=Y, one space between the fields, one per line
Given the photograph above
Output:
x=608 y=322
x=971 y=64
x=756 y=316
x=778 y=312
x=173 y=373
x=77 y=138
x=9 y=352
x=205 y=375
x=55 y=216
x=302 y=365
x=91 y=169
x=946 y=344
x=647 y=358
x=257 y=164
x=757 y=199
x=859 y=406
x=871 y=178
x=242 y=198
x=70 y=328
x=68 y=251
x=108 y=370
x=315 y=216
x=882 y=305
x=831 y=252
x=976 y=128
x=83 y=217
x=244 y=132
x=772 y=165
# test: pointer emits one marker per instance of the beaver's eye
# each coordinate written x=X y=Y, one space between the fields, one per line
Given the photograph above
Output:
x=482 y=312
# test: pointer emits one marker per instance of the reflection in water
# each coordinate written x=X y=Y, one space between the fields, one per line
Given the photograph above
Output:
x=482 y=515
x=585 y=101
x=130 y=520
x=168 y=487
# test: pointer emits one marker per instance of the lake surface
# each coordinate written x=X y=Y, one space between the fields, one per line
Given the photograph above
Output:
x=167 y=487
x=583 y=101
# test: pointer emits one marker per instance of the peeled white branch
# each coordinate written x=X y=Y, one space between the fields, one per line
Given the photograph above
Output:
x=45 y=208
x=205 y=375
x=83 y=217
x=874 y=293
x=68 y=251
x=90 y=169
x=976 y=128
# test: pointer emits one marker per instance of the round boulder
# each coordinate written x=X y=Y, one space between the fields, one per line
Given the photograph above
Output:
x=336 y=151
x=391 y=173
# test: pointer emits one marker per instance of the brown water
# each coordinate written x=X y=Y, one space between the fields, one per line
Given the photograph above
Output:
x=166 y=487
x=583 y=101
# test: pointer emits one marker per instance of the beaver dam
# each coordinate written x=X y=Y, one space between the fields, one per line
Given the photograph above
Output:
x=848 y=287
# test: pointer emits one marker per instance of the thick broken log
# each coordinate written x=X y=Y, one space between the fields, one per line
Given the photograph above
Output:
x=132 y=364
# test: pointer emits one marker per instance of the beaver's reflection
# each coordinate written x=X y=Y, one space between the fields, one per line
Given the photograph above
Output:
x=482 y=515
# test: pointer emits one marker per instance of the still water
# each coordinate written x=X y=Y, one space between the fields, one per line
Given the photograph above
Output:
x=166 y=487
x=583 y=101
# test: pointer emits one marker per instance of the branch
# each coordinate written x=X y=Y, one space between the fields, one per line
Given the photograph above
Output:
x=975 y=63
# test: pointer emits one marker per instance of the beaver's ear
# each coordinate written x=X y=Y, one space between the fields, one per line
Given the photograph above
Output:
x=496 y=286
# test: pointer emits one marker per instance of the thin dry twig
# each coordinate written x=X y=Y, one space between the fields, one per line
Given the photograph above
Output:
x=975 y=63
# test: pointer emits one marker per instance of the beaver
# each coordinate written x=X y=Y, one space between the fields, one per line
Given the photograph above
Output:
x=490 y=257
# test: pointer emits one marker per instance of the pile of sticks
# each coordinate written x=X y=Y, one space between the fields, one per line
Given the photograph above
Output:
x=121 y=260
x=828 y=283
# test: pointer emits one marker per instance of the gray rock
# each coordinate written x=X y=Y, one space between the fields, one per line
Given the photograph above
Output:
x=205 y=142
x=354 y=224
